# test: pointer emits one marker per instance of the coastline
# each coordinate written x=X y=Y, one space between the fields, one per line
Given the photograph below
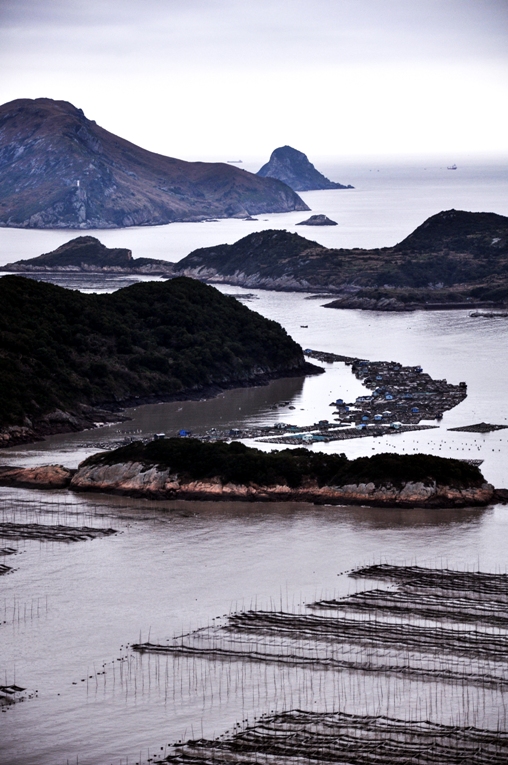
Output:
x=151 y=482
x=89 y=418
x=138 y=480
x=342 y=296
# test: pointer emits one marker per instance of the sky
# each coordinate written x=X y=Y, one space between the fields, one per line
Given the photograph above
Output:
x=232 y=79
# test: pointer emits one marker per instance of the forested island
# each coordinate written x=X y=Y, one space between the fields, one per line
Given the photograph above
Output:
x=454 y=259
x=69 y=360
x=187 y=468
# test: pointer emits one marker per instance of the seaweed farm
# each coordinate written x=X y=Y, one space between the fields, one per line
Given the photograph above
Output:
x=394 y=659
x=299 y=736
x=415 y=672
x=54 y=533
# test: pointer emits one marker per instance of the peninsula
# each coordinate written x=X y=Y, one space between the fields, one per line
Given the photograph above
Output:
x=59 y=169
x=70 y=360
x=86 y=254
x=455 y=259
x=293 y=168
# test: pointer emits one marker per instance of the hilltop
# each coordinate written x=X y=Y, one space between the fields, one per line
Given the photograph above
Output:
x=293 y=168
x=454 y=256
x=59 y=169
x=64 y=353
x=88 y=254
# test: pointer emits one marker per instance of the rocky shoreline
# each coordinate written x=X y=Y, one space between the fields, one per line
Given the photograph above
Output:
x=58 y=421
x=136 y=479
x=393 y=304
x=436 y=267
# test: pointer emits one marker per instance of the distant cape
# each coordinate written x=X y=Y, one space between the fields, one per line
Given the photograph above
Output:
x=59 y=169
x=293 y=168
x=86 y=254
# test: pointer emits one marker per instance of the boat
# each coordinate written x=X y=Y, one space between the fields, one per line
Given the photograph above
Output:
x=452 y=167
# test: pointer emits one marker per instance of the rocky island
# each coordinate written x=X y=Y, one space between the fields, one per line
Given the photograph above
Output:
x=59 y=169
x=455 y=259
x=317 y=220
x=176 y=468
x=86 y=254
x=294 y=169
x=70 y=360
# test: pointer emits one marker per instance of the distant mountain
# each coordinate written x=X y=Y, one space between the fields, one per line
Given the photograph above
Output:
x=454 y=256
x=293 y=168
x=59 y=169
x=88 y=254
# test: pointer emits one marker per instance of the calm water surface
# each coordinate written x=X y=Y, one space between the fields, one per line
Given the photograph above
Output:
x=388 y=202
x=175 y=566
x=69 y=611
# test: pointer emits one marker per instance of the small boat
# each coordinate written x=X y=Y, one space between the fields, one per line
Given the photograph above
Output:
x=304 y=326
x=452 y=167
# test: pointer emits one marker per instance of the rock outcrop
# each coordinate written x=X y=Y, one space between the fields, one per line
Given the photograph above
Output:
x=150 y=481
x=86 y=254
x=43 y=477
x=59 y=169
x=317 y=220
x=82 y=417
x=293 y=168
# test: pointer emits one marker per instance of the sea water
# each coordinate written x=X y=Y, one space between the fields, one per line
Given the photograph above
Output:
x=389 y=201
x=68 y=611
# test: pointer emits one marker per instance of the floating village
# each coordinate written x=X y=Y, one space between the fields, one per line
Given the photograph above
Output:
x=401 y=398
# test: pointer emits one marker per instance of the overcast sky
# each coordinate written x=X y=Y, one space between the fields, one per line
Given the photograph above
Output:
x=231 y=79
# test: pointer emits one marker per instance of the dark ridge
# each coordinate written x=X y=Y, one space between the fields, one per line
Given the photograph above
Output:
x=263 y=251
x=459 y=231
x=62 y=351
x=454 y=260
